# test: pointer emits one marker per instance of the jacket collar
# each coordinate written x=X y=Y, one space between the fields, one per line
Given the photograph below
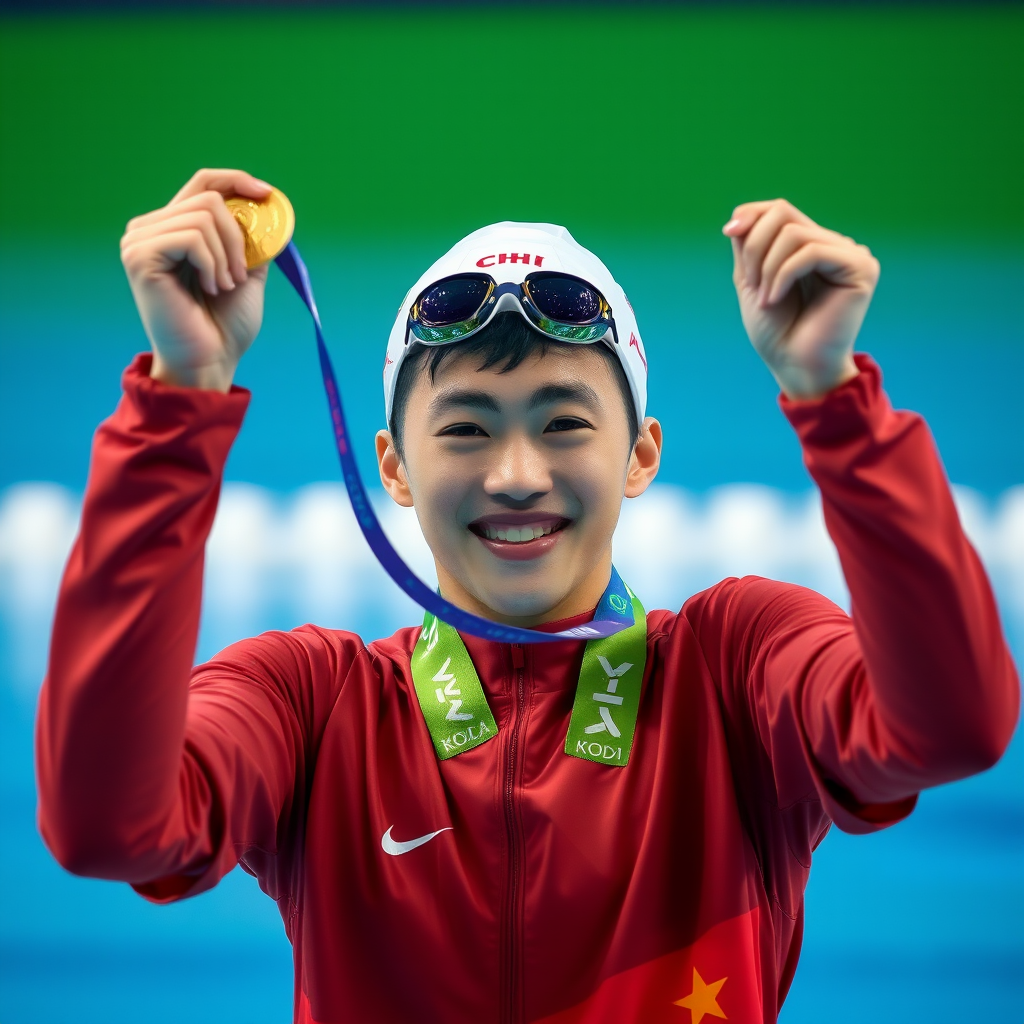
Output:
x=548 y=666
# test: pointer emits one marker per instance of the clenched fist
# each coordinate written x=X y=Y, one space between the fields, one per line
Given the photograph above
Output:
x=186 y=266
x=803 y=291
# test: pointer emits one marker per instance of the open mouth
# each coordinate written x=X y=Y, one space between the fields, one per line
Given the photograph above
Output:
x=518 y=535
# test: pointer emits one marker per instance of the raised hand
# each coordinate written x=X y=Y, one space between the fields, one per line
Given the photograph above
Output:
x=803 y=291
x=185 y=262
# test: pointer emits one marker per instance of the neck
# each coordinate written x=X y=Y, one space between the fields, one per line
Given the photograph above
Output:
x=583 y=597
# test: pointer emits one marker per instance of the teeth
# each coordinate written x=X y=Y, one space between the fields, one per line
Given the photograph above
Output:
x=517 y=536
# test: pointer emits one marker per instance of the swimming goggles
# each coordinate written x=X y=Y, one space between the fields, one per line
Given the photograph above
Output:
x=563 y=307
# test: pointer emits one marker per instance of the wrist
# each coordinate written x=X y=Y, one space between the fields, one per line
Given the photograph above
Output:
x=210 y=377
x=808 y=384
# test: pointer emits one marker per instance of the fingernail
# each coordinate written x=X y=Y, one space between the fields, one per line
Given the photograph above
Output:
x=263 y=184
x=731 y=225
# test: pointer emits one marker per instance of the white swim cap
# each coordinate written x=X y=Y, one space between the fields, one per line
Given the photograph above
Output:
x=508 y=252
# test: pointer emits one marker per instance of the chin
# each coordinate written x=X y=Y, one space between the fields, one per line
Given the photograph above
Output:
x=528 y=604
x=515 y=598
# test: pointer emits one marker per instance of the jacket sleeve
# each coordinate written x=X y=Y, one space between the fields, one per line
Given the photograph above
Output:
x=916 y=687
x=144 y=776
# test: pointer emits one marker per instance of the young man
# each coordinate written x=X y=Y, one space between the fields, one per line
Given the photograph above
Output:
x=521 y=878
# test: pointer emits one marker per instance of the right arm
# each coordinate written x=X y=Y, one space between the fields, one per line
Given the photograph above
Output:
x=142 y=777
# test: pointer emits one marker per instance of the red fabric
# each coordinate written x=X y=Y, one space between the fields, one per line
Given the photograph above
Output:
x=665 y=988
x=564 y=888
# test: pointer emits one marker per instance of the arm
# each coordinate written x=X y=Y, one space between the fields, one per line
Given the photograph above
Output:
x=112 y=709
x=919 y=687
x=143 y=776
x=944 y=694
x=139 y=777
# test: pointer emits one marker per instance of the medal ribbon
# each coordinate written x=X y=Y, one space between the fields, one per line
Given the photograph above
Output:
x=604 y=710
x=610 y=619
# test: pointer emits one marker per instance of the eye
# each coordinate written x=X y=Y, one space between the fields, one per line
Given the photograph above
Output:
x=463 y=430
x=562 y=423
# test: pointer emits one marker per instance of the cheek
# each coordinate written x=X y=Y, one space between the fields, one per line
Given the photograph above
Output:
x=597 y=481
x=438 y=492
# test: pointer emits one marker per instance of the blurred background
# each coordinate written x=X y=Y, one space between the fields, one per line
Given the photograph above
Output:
x=395 y=130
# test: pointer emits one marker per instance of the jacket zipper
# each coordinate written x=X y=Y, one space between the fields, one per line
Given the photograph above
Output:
x=511 y=1008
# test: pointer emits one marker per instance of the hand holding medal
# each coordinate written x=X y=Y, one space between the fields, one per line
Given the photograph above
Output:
x=200 y=304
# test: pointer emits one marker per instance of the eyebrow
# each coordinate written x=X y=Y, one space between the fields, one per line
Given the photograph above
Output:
x=463 y=398
x=466 y=398
x=575 y=392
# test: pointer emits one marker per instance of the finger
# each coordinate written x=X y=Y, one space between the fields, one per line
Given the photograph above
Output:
x=835 y=263
x=760 y=237
x=228 y=228
x=791 y=237
x=230 y=234
x=200 y=220
x=225 y=181
x=744 y=217
x=737 y=263
x=185 y=246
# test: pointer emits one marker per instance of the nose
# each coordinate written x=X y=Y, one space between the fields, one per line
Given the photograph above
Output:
x=520 y=475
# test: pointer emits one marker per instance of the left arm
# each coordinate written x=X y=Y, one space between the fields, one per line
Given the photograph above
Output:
x=922 y=690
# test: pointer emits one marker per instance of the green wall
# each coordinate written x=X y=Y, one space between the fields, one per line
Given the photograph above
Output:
x=645 y=122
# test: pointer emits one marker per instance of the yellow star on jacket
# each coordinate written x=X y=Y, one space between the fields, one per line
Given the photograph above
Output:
x=703 y=999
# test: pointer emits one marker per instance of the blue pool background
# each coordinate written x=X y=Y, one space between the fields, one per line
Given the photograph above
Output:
x=919 y=923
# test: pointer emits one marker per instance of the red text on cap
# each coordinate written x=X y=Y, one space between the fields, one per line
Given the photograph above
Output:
x=509 y=257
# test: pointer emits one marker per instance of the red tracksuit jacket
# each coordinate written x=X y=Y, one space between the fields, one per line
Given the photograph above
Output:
x=562 y=890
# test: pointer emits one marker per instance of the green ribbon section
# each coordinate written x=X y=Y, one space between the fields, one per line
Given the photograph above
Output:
x=607 y=700
x=604 y=710
x=449 y=691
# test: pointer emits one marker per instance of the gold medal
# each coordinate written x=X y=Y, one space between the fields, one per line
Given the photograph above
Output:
x=267 y=225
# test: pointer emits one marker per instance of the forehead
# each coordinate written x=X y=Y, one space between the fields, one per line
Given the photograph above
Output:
x=562 y=364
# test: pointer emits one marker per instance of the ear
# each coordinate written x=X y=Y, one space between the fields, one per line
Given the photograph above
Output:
x=392 y=472
x=645 y=460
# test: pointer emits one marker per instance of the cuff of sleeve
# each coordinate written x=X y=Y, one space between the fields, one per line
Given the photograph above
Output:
x=157 y=403
x=857 y=407
x=156 y=424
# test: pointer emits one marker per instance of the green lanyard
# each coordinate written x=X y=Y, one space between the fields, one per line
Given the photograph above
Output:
x=604 y=710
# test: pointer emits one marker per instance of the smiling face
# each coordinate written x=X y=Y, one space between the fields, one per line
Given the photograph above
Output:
x=517 y=479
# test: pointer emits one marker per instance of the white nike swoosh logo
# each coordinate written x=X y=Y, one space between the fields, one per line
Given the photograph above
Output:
x=396 y=849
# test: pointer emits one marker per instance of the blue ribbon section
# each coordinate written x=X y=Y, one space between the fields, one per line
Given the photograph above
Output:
x=614 y=612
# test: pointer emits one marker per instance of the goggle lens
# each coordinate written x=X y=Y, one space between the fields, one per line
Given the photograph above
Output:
x=566 y=299
x=563 y=307
x=453 y=300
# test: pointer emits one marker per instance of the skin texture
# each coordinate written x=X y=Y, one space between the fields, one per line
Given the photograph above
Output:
x=546 y=443
x=554 y=444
